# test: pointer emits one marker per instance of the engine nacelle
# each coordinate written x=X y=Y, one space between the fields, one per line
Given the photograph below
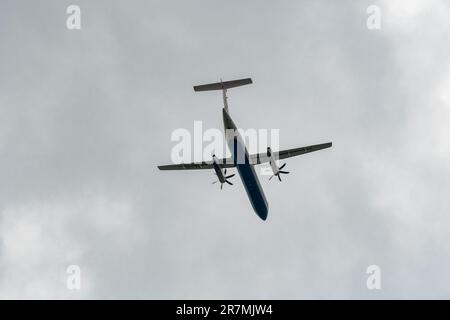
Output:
x=217 y=169
x=273 y=164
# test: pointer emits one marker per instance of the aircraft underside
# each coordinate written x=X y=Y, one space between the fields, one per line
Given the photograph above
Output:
x=241 y=160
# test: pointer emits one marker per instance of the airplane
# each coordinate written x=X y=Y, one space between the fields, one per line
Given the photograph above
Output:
x=240 y=159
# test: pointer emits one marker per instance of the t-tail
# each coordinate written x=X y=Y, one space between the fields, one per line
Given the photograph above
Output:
x=223 y=85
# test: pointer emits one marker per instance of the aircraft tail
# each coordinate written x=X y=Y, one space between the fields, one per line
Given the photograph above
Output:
x=223 y=85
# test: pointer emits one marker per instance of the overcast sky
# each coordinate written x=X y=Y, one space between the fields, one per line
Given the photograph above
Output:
x=86 y=116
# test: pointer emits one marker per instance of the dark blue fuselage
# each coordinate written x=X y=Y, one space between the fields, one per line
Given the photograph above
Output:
x=245 y=168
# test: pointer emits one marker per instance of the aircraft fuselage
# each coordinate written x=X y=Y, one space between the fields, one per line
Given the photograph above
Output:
x=245 y=168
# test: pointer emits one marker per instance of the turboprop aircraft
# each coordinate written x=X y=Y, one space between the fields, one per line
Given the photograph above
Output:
x=240 y=159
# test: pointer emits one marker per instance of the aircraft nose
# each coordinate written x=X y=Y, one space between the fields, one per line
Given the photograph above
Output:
x=263 y=212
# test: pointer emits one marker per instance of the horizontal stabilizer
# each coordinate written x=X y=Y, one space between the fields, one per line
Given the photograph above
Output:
x=223 y=85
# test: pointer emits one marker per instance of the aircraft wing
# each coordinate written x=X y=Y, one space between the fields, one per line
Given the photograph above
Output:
x=254 y=158
x=223 y=163
x=283 y=154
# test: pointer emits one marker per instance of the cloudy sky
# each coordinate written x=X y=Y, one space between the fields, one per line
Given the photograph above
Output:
x=86 y=116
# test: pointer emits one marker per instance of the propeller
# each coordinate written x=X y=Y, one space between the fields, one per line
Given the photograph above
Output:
x=280 y=172
x=226 y=179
